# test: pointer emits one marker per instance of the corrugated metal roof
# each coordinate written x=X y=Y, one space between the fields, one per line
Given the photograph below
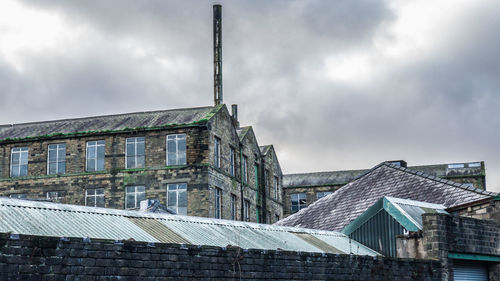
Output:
x=408 y=213
x=61 y=220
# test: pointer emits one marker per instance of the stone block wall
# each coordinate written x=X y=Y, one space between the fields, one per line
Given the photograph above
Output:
x=443 y=234
x=310 y=192
x=50 y=258
x=485 y=210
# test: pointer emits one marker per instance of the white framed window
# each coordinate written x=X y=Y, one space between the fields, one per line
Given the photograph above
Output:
x=95 y=156
x=298 y=201
x=134 y=153
x=246 y=210
x=19 y=196
x=176 y=149
x=217 y=152
x=94 y=197
x=233 y=206
x=244 y=169
x=322 y=194
x=218 y=203
x=231 y=162
x=19 y=162
x=134 y=195
x=177 y=198
x=276 y=188
x=55 y=196
x=56 y=159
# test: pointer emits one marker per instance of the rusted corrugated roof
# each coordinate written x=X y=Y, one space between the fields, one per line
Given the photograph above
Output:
x=61 y=220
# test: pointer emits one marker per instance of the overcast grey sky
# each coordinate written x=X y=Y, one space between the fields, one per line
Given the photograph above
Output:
x=332 y=84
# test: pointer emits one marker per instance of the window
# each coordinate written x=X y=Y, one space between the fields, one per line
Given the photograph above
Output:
x=218 y=202
x=55 y=196
x=256 y=175
x=246 y=210
x=298 y=201
x=276 y=217
x=217 y=152
x=19 y=162
x=322 y=194
x=19 y=196
x=231 y=162
x=266 y=180
x=56 y=161
x=177 y=198
x=474 y=165
x=95 y=156
x=176 y=149
x=134 y=195
x=276 y=189
x=134 y=153
x=94 y=197
x=468 y=184
x=233 y=206
x=455 y=166
x=244 y=170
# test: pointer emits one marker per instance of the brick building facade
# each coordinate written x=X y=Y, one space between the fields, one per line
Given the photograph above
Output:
x=196 y=161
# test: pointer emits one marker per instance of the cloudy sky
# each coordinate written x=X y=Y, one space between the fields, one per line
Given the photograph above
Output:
x=332 y=84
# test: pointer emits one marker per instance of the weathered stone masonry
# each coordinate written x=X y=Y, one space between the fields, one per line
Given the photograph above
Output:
x=200 y=172
x=51 y=258
x=443 y=235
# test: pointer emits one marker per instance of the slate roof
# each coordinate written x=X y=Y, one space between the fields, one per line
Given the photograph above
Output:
x=139 y=120
x=335 y=211
x=343 y=177
x=61 y=220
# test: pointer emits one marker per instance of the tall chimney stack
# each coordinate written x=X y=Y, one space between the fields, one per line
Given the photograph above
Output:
x=218 y=54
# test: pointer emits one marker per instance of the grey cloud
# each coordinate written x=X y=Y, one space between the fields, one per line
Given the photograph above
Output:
x=441 y=106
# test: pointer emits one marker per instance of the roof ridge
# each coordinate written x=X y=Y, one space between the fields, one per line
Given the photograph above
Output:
x=100 y=116
x=438 y=179
x=323 y=172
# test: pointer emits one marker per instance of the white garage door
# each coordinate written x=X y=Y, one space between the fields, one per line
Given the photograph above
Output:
x=469 y=271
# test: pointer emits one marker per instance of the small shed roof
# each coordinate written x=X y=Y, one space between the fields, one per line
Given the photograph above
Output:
x=406 y=212
x=61 y=220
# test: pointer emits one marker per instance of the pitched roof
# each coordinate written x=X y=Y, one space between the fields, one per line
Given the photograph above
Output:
x=264 y=149
x=343 y=177
x=408 y=213
x=338 y=209
x=61 y=220
x=242 y=132
x=107 y=123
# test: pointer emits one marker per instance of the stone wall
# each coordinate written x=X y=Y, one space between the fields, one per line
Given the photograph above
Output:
x=485 y=209
x=310 y=192
x=49 y=258
x=443 y=235
x=200 y=174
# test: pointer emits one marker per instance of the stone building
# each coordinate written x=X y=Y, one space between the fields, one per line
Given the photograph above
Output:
x=197 y=161
x=301 y=190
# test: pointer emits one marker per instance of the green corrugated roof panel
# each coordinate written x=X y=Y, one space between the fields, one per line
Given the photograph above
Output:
x=406 y=212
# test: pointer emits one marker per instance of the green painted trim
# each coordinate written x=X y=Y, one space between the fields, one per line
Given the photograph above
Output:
x=400 y=217
x=364 y=217
x=460 y=256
